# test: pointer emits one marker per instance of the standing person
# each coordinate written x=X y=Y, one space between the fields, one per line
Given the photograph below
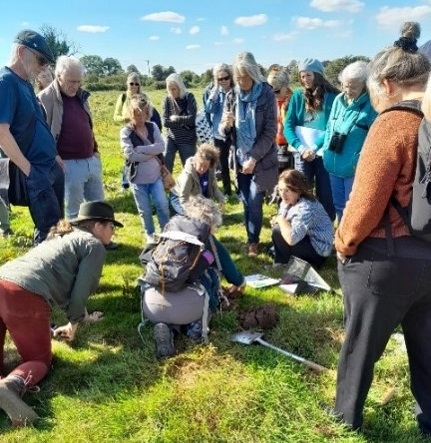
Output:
x=302 y=227
x=213 y=99
x=142 y=144
x=349 y=121
x=198 y=178
x=69 y=118
x=179 y=116
x=5 y=230
x=385 y=279
x=44 y=79
x=56 y=272
x=24 y=135
x=308 y=112
x=250 y=118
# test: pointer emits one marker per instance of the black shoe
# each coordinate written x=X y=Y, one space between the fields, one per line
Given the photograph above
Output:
x=164 y=340
x=111 y=246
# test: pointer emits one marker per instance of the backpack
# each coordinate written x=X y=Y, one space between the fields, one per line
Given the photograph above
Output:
x=172 y=262
x=417 y=214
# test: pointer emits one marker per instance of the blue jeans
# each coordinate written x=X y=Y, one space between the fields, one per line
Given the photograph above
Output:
x=143 y=195
x=185 y=151
x=83 y=182
x=252 y=201
x=340 y=188
x=318 y=177
x=45 y=188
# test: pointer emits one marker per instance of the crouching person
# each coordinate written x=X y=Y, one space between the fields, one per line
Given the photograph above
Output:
x=181 y=286
x=63 y=270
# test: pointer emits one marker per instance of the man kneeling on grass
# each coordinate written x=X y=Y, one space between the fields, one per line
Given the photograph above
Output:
x=63 y=270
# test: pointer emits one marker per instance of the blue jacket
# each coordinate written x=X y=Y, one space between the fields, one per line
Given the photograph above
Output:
x=354 y=119
x=296 y=114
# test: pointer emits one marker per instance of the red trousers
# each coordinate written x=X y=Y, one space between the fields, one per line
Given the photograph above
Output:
x=27 y=318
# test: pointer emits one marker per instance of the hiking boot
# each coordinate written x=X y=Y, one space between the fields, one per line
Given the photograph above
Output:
x=6 y=233
x=164 y=340
x=12 y=388
x=253 y=250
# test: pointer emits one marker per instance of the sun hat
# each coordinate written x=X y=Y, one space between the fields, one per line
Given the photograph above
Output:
x=35 y=41
x=95 y=210
x=311 y=64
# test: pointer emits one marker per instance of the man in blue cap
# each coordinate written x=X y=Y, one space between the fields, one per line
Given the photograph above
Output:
x=24 y=135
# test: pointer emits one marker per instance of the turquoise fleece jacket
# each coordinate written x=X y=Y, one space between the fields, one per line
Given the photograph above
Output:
x=295 y=117
x=354 y=119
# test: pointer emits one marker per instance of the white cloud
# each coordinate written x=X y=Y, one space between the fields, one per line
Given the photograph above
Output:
x=176 y=30
x=238 y=41
x=92 y=28
x=154 y=38
x=284 y=37
x=194 y=30
x=337 y=5
x=25 y=24
x=193 y=46
x=224 y=30
x=252 y=20
x=235 y=41
x=315 y=23
x=390 y=17
x=167 y=16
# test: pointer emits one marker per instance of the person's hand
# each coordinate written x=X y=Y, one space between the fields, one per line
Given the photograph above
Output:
x=273 y=220
x=308 y=155
x=60 y=161
x=93 y=317
x=248 y=166
x=174 y=118
x=228 y=119
x=343 y=258
x=67 y=331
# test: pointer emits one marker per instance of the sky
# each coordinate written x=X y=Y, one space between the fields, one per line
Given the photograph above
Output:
x=197 y=34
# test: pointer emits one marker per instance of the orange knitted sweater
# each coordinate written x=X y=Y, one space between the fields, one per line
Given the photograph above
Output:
x=386 y=167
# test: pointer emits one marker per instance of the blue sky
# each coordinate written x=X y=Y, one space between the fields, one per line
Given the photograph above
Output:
x=196 y=34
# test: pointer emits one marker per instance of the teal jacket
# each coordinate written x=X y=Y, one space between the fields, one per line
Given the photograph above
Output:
x=354 y=119
x=295 y=117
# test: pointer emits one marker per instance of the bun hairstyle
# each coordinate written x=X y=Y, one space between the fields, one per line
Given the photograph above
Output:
x=278 y=77
x=401 y=63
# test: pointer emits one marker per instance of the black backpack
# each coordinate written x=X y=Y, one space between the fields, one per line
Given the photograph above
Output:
x=417 y=214
x=173 y=262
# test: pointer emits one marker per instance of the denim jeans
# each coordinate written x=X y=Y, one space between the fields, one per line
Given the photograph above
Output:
x=27 y=318
x=174 y=200
x=45 y=188
x=318 y=177
x=340 y=188
x=83 y=182
x=143 y=195
x=185 y=151
x=252 y=201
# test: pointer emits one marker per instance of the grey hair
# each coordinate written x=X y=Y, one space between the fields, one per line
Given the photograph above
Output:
x=203 y=209
x=222 y=67
x=177 y=80
x=245 y=63
x=66 y=63
x=141 y=102
x=135 y=77
x=14 y=56
x=398 y=65
x=355 y=71
x=278 y=77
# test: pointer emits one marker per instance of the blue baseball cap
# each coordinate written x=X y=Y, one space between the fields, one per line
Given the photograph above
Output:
x=36 y=42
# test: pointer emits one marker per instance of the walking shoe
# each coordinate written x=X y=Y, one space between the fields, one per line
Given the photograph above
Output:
x=164 y=340
x=151 y=239
x=6 y=233
x=12 y=388
x=253 y=250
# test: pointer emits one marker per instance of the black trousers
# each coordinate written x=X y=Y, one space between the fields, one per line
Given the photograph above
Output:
x=380 y=293
x=224 y=148
x=303 y=249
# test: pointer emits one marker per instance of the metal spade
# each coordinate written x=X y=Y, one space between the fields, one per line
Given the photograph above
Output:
x=249 y=337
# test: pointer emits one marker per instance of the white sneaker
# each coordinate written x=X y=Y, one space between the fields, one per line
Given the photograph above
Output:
x=151 y=239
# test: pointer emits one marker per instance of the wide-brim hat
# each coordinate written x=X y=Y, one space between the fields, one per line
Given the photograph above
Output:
x=96 y=210
x=36 y=42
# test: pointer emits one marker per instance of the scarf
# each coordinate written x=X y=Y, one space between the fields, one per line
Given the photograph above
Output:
x=245 y=120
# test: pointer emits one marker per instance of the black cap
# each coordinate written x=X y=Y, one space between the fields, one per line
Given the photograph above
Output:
x=35 y=41
x=95 y=210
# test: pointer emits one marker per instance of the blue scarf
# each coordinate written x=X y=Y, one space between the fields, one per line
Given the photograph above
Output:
x=245 y=120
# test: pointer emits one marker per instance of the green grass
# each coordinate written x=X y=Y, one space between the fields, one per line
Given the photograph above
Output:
x=107 y=386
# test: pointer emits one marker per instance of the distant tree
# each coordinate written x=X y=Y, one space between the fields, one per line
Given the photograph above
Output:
x=159 y=73
x=58 y=42
x=169 y=71
x=190 y=78
x=93 y=64
x=334 y=67
x=112 y=66
x=206 y=77
x=132 y=68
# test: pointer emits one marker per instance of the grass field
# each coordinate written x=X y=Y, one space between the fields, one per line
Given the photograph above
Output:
x=107 y=386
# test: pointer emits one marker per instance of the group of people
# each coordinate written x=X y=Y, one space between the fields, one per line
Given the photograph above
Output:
x=356 y=160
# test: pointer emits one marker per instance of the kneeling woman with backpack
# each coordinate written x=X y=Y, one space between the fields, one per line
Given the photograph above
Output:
x=181 y=285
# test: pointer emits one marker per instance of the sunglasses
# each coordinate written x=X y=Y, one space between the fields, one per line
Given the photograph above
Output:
x=277 y=91
x=42 y=61
x=133 y=84
x=223 y=79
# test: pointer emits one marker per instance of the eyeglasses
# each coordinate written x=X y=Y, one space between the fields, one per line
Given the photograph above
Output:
x=133 y=84
x=223 y=79
x=277 y=91
x=42 y=61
